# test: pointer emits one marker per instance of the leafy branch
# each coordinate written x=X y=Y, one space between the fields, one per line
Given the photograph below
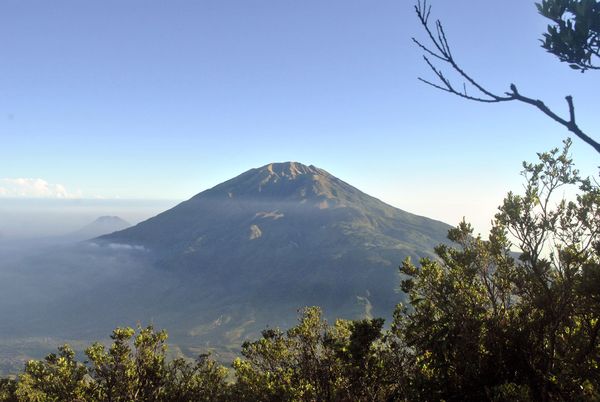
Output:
x=574 y=36
x=440 y=51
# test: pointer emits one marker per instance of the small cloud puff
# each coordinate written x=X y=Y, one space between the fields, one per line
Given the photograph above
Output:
x=119 y=246
x=34 y=188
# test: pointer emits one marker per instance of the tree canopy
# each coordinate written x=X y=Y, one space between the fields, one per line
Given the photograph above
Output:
x=485 y=322
x=132 y=368
x=574 y=35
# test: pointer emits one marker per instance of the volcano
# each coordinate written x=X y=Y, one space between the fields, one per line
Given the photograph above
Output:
x=252 y=250
x=101 y=226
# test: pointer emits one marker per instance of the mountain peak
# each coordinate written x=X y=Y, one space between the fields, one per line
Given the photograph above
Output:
x=289 y=169
x=273 y=181
x=110 y=219
x=101 y=226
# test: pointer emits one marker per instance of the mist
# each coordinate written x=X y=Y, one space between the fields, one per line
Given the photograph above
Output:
x=29 y=218
x=57 y=287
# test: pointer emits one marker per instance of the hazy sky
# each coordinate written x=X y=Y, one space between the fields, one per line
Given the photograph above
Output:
x=145 y=99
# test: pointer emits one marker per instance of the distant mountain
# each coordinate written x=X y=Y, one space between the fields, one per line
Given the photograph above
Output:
x=252 y=250
x=101 y=226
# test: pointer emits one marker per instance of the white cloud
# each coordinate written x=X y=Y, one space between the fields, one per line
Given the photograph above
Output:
x=34 y=188
x=121 y=246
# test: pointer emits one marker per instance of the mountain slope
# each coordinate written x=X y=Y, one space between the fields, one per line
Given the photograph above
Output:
x=250 y=251
x=290 y=199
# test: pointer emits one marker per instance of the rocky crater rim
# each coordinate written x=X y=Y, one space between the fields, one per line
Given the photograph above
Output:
x=290 y=169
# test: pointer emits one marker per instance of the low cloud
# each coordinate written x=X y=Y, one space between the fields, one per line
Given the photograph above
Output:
x=120 y=246
x=34 y=188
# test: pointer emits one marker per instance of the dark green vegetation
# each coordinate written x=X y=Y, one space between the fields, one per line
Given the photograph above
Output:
x=312 y=361
x=482 y=324
x=574 y=36
x=133 y=368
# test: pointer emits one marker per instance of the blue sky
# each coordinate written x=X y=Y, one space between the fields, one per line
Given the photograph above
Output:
x=144 y=99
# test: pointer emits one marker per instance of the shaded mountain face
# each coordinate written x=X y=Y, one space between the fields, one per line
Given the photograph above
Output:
x=252 y=250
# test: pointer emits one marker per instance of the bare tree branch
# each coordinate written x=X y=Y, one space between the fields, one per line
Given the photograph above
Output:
x=440 y=50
